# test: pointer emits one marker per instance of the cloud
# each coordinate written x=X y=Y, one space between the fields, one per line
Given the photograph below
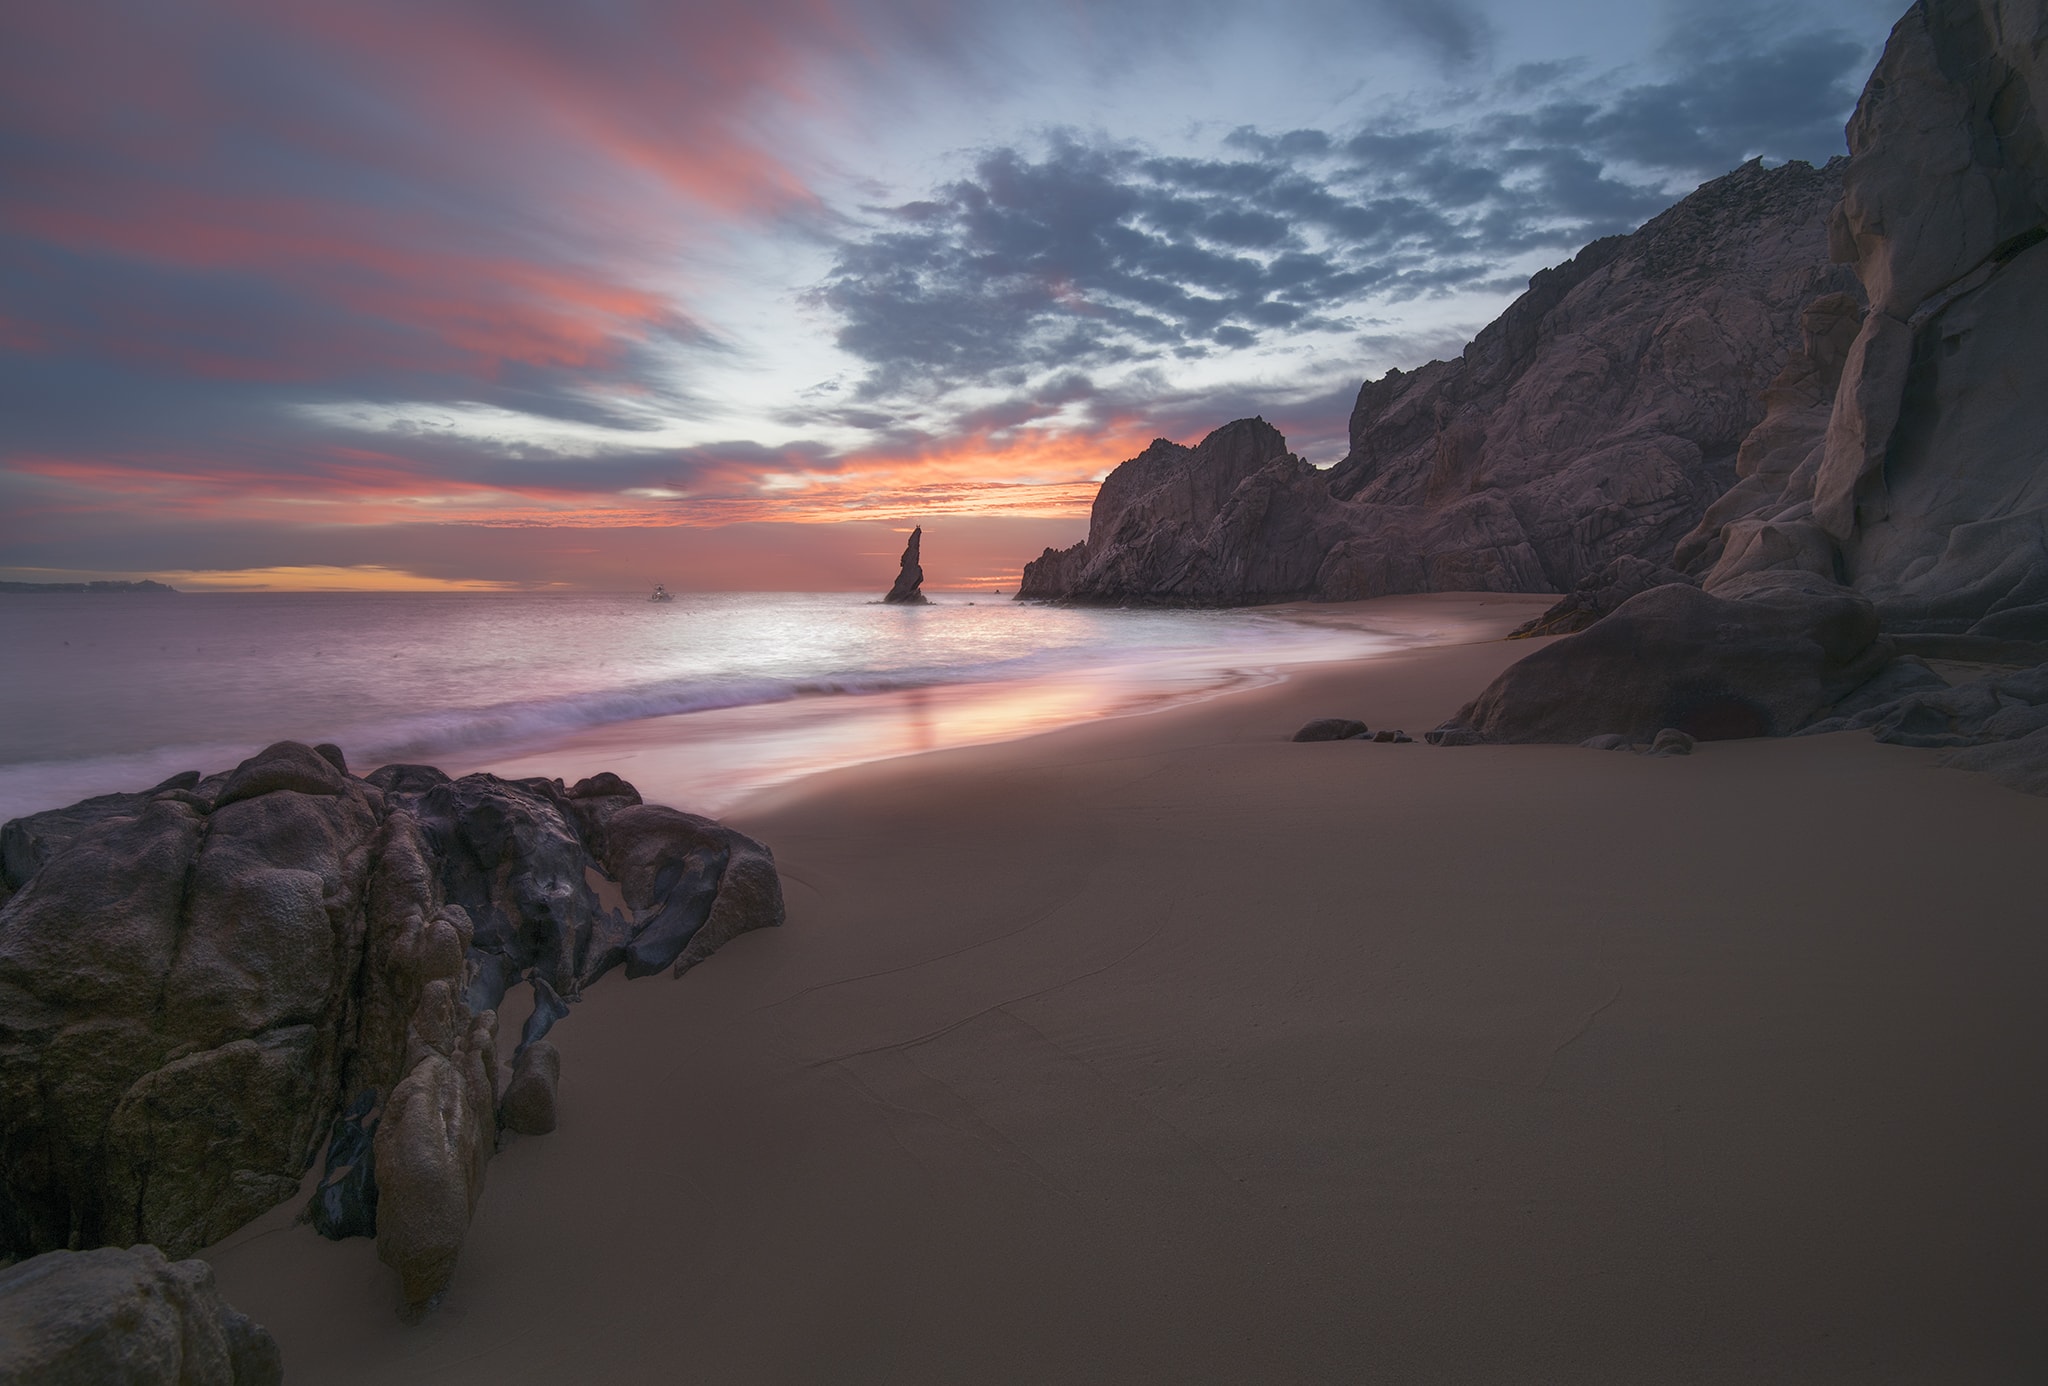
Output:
x=1082 y=258
x=370 y=266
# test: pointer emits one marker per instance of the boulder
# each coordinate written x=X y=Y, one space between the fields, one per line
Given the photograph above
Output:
x=1671 y=742
x=528 y=1106
x=1331 y=729
x=1679 y=658
x=2021 y=764
x=438 y=1132
x=1599 y=594
x=1607 y=741
x=1905 y=709
x=665 y=861
x=203 y=984
x=109 y=1317
x=1596 y=419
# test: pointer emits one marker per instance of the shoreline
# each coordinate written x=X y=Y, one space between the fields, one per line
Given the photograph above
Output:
x=1161 y=1048
x=712 y=730
x=714 y=761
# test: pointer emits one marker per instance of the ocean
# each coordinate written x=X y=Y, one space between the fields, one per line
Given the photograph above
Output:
x=700 y=701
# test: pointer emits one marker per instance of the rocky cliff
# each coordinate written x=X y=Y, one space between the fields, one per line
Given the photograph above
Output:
x=1895 y=494
x=1597 y=417
x=205 y=985
x=1926 y=486
x=1234 y=519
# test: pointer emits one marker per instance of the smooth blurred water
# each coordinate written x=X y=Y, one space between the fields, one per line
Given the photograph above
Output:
x=117 y=691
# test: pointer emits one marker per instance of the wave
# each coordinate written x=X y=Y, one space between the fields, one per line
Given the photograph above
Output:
x=522 y=723
x=518 y=725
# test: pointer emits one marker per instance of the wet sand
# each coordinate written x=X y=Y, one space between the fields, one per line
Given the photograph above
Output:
x=1160 y=1049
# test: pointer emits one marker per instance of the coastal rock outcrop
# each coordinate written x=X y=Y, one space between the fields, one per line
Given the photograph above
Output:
x=1759 y=660
x=1596 y=419
x=1900 y=472
x=112 y=1317
x=1234 y=519
x=1927 y=490
x=1331 y=729
x=1599 y=594
x=1602 y=412
x=907 y=589
x=204 y=984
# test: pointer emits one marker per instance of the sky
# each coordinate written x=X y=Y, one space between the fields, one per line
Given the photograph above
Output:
x=600 y=293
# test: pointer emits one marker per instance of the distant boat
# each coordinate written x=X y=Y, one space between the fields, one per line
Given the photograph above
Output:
x=662 y=594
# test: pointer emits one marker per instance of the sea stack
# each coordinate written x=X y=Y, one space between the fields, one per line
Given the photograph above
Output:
x=905 y=592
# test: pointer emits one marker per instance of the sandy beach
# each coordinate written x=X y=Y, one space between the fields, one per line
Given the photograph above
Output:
x=1160 y=1049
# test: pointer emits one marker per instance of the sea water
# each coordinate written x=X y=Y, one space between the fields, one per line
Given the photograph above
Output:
x=718 y=694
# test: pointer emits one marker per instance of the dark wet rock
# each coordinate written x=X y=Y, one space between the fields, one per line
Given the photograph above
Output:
x=1995 y=723
x=345 y=1202
x=1908 y=710
x=195 y=998
x=1671 y=742
x=1607 y=741
x=1332 y=729
x=406 y=779
x=1384 y=734
x=528 y=1107
x=906 y=590
x=548 y=1008
x=331 y=753
x=438 y=1132
x=1677 y=657
x=113 y=1317
x=2021 y=764
x=491 y=975
x=611 y=940
x=662 y=858
x=1234 y=519
x=1600 y=594
x=287 y=765
x=1903 y=676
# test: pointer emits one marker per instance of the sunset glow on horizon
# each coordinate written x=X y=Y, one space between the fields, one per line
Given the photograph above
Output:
x=331 y=289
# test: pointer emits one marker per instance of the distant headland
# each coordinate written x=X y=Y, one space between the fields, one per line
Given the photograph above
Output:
x=145 y=585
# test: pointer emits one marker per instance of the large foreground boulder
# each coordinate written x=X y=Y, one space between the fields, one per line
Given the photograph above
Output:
x=203 y=985
x=1677 y=657
x=110 y=1317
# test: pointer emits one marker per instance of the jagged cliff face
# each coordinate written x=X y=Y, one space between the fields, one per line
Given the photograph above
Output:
x=1602 y=412
x=1234 y=519
x=1598 y=417
x=1927 y=488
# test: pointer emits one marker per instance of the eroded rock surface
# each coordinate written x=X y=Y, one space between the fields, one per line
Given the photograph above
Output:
x=1927 y=489
x=204 y=984
x=1758 y=662
x=1599 y=594
x=1597 y=418
x=112 y=1317
x=907 y=590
